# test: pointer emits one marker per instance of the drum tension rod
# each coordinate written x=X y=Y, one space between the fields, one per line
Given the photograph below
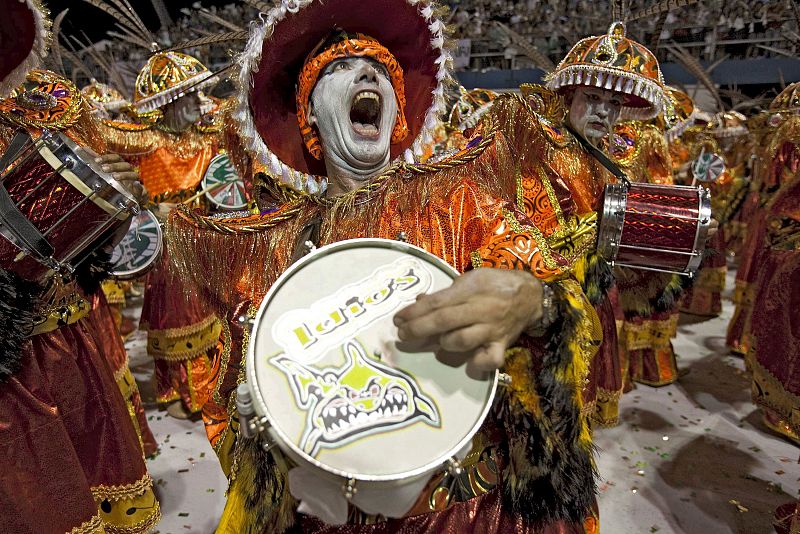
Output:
x=349 y=489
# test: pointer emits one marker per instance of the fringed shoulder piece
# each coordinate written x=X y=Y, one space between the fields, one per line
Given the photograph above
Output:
x=19 y=300
x=225 y=260
x=551 y=472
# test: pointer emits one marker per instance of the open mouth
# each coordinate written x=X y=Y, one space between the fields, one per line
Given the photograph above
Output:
x=365 y=113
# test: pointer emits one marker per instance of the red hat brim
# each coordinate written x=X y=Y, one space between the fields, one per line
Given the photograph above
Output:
x=396 y=24
x=23 y=32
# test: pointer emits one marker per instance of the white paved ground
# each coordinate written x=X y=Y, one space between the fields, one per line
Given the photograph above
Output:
x=688 y=458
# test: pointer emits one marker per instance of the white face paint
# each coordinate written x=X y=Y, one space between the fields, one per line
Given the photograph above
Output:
x=183 y=112
x=594 y=112
x=354 y=109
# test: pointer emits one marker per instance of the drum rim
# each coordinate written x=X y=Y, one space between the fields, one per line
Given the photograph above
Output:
x=204 y=184
x=701 y=235
x=259 y=403
x=135 y=273
x=108 y=177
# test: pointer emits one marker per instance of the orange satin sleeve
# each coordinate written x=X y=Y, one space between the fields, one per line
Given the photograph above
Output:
x=162 y=171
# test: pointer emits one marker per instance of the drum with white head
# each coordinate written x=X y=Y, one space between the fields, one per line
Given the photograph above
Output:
x=337 y=391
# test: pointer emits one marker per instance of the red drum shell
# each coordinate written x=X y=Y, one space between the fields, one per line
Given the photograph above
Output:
x=51 y=202
x=664 y=227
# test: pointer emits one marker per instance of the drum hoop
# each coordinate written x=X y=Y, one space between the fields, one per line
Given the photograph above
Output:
x=49 y=155
x=701 y=235
x=283 y=441
x=612 y=222
x=204 y=184
x=135 y=273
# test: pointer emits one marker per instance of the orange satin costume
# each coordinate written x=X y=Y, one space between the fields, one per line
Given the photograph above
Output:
x=452 y=209
x=182 y=334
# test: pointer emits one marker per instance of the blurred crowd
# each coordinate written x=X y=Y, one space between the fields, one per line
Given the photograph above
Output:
x=709 y=30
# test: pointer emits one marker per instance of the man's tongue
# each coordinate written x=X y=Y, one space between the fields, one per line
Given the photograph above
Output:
x=366 y=130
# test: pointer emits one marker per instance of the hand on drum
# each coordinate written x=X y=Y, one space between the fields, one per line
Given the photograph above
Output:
x=475 y=320
x=123 y=172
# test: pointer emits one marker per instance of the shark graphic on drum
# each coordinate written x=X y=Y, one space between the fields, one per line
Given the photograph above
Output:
x=361 y=398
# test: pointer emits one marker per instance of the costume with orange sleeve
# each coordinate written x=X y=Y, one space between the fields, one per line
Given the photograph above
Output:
x=183 y=335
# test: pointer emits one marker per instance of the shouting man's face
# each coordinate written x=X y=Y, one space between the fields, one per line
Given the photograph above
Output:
x=354 y=108
x=593 y=112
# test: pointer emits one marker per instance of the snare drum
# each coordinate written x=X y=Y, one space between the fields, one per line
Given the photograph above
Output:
x=223 y=186
x=333 y=388
x=57 y=204
x=655 y=227
x=139 y=249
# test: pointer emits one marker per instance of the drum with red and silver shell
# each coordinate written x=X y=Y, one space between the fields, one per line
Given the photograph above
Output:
x=655 y=227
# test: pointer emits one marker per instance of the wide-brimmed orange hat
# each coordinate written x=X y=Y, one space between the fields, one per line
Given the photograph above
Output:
x=787 y=100
x=616 y=63
x=25 y=35
x=277 y=50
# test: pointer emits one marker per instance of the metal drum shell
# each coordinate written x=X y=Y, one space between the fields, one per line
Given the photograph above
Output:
x=284 y=442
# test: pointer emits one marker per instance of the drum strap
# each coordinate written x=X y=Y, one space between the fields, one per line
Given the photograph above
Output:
x=598 y=154
x=308 y=238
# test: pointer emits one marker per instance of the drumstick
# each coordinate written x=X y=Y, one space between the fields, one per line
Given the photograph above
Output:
x=208 y=190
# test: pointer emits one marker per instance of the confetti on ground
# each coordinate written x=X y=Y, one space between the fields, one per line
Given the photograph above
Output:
x=739 y=507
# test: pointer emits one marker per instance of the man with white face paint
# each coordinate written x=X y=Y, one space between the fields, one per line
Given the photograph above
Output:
x=593 y=112
x=360 y=102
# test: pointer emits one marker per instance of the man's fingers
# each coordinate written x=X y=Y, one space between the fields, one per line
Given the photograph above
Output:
x=453 y=359
x=466 y=339
x=118 y=166
x=439 y=321
x=128 y=176
x=486 y=360
x=451 y=296
x=105 y=158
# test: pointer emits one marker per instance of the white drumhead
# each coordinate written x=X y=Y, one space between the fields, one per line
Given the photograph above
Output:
x=333 y=403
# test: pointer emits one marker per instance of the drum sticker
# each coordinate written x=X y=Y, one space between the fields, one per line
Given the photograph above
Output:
x=308 y=334
x=358 y=399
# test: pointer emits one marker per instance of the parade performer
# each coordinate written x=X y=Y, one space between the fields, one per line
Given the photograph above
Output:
x=72 y=461
x=173 y=148
x=603 y=80
x=778 y=163
x=775 y=327
x=361 y=101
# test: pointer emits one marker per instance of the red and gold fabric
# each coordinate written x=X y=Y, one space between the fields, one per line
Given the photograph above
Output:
x=774 y=325
x=71 y=457
x=782 y=162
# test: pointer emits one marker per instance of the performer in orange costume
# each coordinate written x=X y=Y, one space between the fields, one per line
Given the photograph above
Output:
x=71 y=461
x=173 y=147
x=625 y=75
x=453 y=208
